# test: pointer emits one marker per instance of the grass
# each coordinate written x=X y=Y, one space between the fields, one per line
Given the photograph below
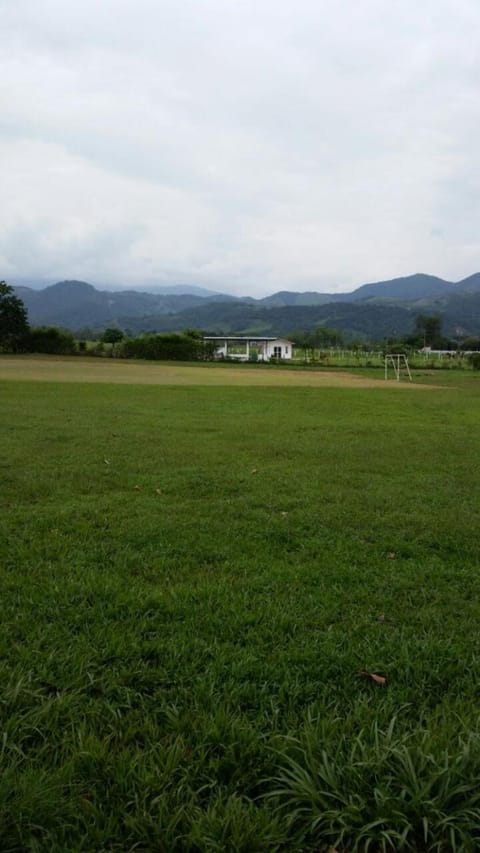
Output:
x=192 y=577
x=131 y=372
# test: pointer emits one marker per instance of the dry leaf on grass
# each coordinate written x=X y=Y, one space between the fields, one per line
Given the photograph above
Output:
x=137 y=488
x=391 y=555
x=254 y=471
x=107 y=461
x=372 y=676
x=158 y=491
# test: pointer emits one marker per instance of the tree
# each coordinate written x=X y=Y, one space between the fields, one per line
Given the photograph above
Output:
x=112 y=336
x=13 y=319
x=428 y=328
x=327 y=336
x=470 y=343
x=193 y=333
x=305 y=341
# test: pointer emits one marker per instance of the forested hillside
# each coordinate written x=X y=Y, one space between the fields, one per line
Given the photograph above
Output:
x=373 y=311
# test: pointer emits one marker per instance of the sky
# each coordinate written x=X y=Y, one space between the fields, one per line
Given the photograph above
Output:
x=242 y=146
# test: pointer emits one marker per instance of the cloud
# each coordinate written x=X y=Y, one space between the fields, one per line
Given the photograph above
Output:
x=244 y=146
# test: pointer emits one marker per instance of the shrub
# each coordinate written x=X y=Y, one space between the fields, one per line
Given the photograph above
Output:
x=169 y=347
x=49 y=339
x=474 y=360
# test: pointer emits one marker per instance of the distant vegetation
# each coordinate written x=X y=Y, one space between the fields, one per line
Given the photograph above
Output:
x=13 y=319
x=370 y=313
x=176 y=347
x=317 y=345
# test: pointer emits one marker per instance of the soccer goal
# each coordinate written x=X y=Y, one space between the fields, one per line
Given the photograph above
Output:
x=399 y=363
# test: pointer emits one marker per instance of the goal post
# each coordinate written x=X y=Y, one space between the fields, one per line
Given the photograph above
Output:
x=397 y=361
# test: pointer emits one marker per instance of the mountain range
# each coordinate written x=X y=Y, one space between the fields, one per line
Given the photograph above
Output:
x=374 y=310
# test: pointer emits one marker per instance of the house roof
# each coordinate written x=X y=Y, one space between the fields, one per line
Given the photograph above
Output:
x=245 y=338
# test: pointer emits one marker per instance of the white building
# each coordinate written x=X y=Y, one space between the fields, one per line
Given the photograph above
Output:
x=253 y=348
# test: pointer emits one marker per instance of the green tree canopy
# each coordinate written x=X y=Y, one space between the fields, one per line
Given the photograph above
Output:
x=428 y=328
x=50 y=339
x=327 y=336
x=112 y=336
x=13 y=319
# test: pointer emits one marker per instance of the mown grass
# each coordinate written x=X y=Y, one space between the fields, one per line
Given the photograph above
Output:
x=191 y=580
x=141 y=372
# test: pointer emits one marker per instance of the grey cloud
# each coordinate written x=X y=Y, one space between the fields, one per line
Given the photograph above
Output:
x=242 y=145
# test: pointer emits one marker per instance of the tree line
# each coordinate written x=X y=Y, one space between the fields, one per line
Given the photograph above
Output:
x=17 y=336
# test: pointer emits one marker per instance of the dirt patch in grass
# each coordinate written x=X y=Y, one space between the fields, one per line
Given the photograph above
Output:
x=53 y=369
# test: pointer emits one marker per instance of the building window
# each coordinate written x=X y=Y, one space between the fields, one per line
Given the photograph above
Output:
x=286 y=350
x=277 y=352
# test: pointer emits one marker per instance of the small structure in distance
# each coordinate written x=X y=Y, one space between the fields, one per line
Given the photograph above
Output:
x=254 y=348
x=399 y=362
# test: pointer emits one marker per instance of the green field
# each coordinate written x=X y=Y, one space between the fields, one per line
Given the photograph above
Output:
x=193 y=577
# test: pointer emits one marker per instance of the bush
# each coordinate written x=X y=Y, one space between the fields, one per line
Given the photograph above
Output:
x=171 y=347
x=470 y=343
x=474 y=360
x=49 y=339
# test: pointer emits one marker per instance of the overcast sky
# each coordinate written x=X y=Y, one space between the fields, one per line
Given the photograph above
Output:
x=243 y=145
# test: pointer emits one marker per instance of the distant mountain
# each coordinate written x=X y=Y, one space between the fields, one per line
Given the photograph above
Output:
x=359 y=321
x=470 y=284
x=31 y=282
x=376 y=310
x=77 y=304
x=398 y=290
x=288 y=297
x=36 y=283
x=362 y=320
x=405 y=289
x=461 y=314
x=184 y=290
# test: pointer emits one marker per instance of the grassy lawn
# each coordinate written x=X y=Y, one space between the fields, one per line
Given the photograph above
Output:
x=192 y=578
x=137 y=372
